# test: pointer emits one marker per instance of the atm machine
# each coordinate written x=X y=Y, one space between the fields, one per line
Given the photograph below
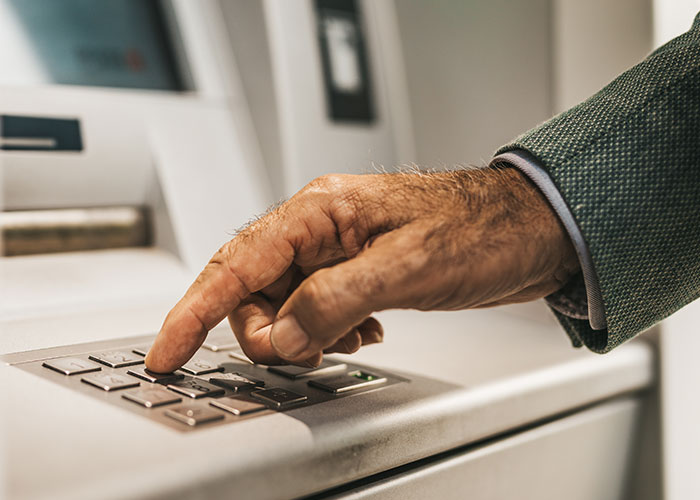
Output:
x=134 y=140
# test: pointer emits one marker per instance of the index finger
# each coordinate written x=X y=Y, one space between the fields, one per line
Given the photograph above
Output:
x=252 y=260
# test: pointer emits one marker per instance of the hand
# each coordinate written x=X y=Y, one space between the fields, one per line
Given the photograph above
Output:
x=305 y=278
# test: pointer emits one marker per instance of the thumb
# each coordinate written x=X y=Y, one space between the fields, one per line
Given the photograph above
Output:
x=333 y=300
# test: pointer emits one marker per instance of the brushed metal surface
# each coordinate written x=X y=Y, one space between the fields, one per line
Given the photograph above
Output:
x=110 y=381
x=117 y=359
x=71 y=366
x=26 y=232
x=348 y=382
x=194 y=414
x=326 y=367
x=237 y=406
x=206 y=362
x=151 y=397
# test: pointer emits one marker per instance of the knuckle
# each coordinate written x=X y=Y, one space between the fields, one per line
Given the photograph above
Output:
x=331 y=184
x=329 y=181
x=319 y=297
x=314 y=290
x=353 y=342
x=221 y=256
x=346 y=207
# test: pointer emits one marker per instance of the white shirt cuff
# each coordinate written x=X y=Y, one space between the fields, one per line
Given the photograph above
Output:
x=530 y=166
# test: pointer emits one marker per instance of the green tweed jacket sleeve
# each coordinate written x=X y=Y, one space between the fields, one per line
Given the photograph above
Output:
x=627 y=163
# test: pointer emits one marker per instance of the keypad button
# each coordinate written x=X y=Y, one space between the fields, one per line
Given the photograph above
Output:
x=200 y=366
x=278 y=397
x=240 y=355
x=71 y=366
x=110 y=381
x=160 y=378
x=327 y=367
x=141 y=350
x=221 y=340
x=151 y=397
x=195 y=388
x=235 y=381
x=194 y=415
x=117 y=359
x=358 y=379
x=237 y=406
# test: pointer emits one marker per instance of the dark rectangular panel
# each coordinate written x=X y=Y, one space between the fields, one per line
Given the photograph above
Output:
x=27 y=133
x=344 y=59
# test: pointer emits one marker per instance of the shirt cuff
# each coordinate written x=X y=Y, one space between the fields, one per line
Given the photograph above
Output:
x=565 y=300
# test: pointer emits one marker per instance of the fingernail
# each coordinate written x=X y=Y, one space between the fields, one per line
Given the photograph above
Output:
x=313 y=362
x=287 y=337
x=378 y=338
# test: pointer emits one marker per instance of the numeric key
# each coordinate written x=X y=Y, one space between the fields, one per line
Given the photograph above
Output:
x=195 y=388
x=110 y=381
x=71 y=366
x=117 y=359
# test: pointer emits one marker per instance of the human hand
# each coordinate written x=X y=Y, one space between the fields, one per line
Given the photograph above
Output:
x=305 y=278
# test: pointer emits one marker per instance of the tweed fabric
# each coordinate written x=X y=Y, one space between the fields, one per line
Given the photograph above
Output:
x=627 y=163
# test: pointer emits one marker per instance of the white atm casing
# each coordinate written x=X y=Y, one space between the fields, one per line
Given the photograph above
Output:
x=516 y=406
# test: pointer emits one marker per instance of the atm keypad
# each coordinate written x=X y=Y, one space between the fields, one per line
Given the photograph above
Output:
x=151 y=397
x=117 y=359
x=195 y=388
x=141 y=350
x=352 y=381
x=239 y=355
x=235 y=381
x=279 y=398
x=219 y=386
x=71 y=366
x=194 y=415
x=221 y=341
x=155 y=378
x=237 y=406
x=198 y=366
x=327 y=367
x=110 y=381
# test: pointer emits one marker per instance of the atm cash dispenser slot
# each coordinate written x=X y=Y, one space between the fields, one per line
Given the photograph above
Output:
x=30 y=232
x=218 y=386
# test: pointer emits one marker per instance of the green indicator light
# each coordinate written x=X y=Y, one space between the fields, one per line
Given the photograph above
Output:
x=364 y=376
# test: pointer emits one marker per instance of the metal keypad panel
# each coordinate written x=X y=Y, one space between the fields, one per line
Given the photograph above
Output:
x=117 y=359
x=194 y=415
x=218 y=386
x=195 y=388
x=152 y=397
x=327 y=367
x=71 y=365
x=162 y=378
x=110 y=381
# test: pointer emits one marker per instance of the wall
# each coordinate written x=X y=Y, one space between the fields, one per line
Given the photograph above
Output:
x=679 y=341
x=593 y=42
x=478 y=74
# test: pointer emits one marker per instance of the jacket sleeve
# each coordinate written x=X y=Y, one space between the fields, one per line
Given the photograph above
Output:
x=627 y=164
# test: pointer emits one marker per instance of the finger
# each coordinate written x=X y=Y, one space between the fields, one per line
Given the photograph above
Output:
x=370 y=331
x=278 y=290
x=251 y=322
x=330 y=302
x=314 y=361
x=242 y=266
x=347 y=344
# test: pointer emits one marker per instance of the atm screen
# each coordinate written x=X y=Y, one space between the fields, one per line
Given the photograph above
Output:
x=112 y=43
